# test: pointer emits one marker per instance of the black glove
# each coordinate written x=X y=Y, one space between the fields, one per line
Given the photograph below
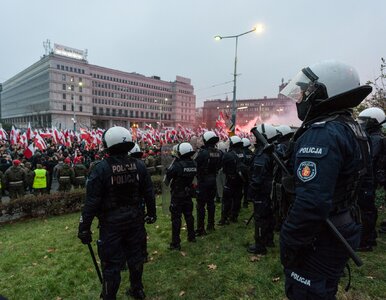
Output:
x=292 y=258
x=150 y=219
x=85 y=237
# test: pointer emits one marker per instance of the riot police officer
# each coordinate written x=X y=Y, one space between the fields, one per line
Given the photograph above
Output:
x=371 y=120
x=235 y=176
x=208 y=161
x=259 y=192
x=281 y=200
x=248 y=158
x=328 y=162
x=180 y=176
x=220 y=178
x=136 y=152
x=114 y=192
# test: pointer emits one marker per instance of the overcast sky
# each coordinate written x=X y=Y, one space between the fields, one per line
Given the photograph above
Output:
x=176 y=37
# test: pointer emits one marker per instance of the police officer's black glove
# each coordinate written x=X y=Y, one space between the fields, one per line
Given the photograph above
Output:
x=150 y=219
x=291 y=257
x=85 y=237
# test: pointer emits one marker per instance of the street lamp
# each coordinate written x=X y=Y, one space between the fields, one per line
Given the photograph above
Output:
x=258 y=29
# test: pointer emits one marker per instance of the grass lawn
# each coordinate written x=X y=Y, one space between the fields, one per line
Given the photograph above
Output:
x=43 y=259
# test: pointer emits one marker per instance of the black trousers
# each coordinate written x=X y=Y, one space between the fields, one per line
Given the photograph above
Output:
x=119 y=244
x=207 y=190
x=318 y=270
x=231 y=201
x=181 y=206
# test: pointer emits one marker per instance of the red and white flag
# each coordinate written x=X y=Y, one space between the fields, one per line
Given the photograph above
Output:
x=14 y=136
x=30 y=134
x=29 y=151
x=40 y=143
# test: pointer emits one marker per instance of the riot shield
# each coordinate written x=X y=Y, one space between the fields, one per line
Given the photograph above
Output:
x=166 y=160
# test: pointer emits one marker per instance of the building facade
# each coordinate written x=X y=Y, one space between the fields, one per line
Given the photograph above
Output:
x=259 y=110
x=63 y=90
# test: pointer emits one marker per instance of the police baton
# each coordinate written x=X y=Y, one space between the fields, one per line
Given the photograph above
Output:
x=95 y=262
x=249 y=220
x=330 y=225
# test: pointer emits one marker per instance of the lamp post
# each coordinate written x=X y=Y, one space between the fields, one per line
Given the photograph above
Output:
x=258 y=29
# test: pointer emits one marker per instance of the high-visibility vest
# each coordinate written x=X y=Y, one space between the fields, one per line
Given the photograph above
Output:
x=40 y=179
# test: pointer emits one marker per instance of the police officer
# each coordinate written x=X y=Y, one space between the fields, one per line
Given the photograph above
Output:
x=40 y=181
x=281 y=200
x=208 y=161
x=220 y=178
x=114 y=193
x=65 y=175
x=248 y=158
x=180 y=176
x=371 y=120
x=15 y=180
x=259 y=192
x=136 y=152
x=80 y=173
x=235 y=176
x=328 y=162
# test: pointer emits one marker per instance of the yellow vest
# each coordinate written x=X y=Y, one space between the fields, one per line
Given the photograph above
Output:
x=40 y=179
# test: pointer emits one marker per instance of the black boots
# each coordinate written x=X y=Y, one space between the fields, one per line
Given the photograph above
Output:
x=136 y=293
x=257 y=249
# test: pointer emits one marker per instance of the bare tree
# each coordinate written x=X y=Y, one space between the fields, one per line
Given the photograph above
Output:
x=379 y=88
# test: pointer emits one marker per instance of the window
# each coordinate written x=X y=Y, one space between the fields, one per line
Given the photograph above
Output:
x=64 y=77
x=62 y=67
x=80 y=108
x=72 y=97
x=80 y=89
x=64 y=87
x=64 y=106
x=72 y=107
x=58 y=67
x=80 y=98
x=101 y=110
x=64 y=96
x=72 y=87
x=94 y=110
x=72 y=79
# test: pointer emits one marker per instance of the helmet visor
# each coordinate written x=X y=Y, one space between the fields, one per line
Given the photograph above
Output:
x=297 y=87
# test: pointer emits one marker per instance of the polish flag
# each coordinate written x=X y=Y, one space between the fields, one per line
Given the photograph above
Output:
x=39 y=143
x=3 y=134
x=29 y=151
x=13 y=136
x=30 y=134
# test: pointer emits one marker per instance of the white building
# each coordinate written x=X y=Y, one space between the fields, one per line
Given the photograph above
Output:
x=62 y=89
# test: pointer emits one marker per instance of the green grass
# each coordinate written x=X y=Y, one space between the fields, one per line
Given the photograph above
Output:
x=43 y=259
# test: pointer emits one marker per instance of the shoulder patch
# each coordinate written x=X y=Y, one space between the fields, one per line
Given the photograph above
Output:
x=306 y=171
